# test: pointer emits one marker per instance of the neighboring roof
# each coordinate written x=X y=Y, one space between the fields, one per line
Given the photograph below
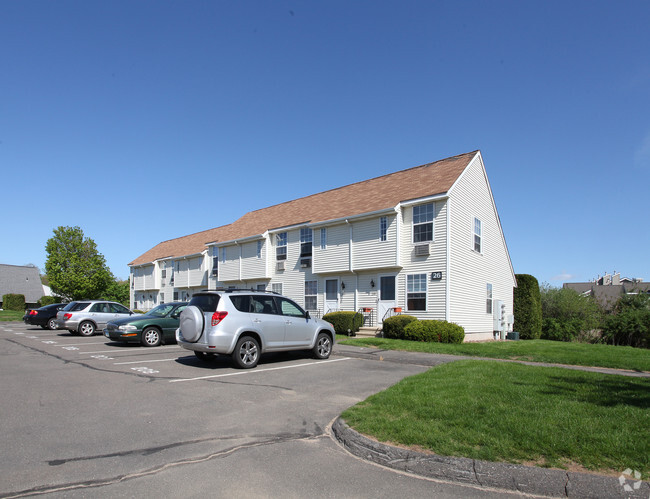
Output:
x=21 y=280
x=368 y=196
x=606 y=295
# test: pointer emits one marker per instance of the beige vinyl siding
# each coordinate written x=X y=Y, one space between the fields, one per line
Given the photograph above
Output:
x=253 y=267
x=472 y=271
x=435 y=262
x=144 y=278
x=336 y=256
x=368 y=252
x=230 y=269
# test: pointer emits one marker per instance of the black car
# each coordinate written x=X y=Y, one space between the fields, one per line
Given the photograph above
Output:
x=43 y=316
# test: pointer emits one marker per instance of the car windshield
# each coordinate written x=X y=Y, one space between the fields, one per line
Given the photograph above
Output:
x=161 y=310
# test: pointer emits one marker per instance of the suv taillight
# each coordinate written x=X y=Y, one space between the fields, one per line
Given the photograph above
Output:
x=217 y=317
x=66 y=316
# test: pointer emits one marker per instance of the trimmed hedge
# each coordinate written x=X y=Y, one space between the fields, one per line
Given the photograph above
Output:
x=344 y=322
x=13 y=302
x=434 y=331
x=527 y=307
x=394 y=326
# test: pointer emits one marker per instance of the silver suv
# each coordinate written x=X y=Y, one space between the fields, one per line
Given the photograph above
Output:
x=85 y=317
x=246 y=324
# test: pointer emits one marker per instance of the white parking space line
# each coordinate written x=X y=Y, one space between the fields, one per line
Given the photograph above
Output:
x=83 y=344
x=104 y=351
x=256 y=371
x=143 y=361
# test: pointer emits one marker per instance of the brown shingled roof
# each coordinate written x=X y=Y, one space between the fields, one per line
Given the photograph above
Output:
x=367 y=196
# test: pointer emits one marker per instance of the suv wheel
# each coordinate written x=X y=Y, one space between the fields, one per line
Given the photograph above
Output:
x=151 y=337
x=323 y=347
x=247 y=352
x=86 y=328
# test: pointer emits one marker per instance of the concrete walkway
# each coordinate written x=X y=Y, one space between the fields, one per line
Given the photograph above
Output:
x=528 y=480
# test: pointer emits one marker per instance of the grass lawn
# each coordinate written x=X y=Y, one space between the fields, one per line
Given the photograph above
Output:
x=495 y=411
x=11 y=315
x=556 y=352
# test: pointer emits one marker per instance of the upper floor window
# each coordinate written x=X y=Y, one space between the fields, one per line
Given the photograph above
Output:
x=323 y=238
x=478 y=238
x=306 y=237
x=223 y=255
x=215 y=265
x=383 y=228
x=423 y=223
x=259 y=248
x=281 y=246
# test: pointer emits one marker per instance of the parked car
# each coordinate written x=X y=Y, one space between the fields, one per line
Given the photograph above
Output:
x=245 y=324
x=84 y=317
x=44 y=316
x=151 y=329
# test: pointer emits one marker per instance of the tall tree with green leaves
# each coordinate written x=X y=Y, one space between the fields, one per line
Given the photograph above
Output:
x=74 y=267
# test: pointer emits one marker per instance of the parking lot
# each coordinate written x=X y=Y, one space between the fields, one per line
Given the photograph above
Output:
x=87 y=417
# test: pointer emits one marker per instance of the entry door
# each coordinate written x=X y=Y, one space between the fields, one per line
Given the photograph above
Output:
x=386 y=296
x=331 y=295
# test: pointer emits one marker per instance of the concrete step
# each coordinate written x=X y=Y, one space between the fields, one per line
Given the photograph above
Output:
x=369 y=332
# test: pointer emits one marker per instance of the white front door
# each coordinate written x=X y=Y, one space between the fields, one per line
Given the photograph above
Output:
x=331 y=295
x=386 y=296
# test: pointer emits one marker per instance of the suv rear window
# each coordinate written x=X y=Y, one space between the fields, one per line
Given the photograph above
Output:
x=207 y=303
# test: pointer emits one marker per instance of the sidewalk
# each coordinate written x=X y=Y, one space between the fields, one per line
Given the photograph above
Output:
x=503 y=476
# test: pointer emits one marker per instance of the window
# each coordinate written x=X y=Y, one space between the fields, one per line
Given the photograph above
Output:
x=175 y=295
x=477 y=235
x=383 y=228
x=488 y=301
x=288 y=307
x=277 y=287
x=423 y=223
x=306 y=237
x=416 y=292
x=261 y=287
x=223 y=255
x=323 y=238
x=215 y=265
x=263 y=305
x=259 y=248
x=311 y=295
x=281 y=246
x=241 y=302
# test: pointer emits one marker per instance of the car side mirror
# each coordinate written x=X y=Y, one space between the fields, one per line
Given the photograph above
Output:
x=307 y=316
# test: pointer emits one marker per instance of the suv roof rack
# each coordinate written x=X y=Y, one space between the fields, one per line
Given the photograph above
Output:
x=240 y=290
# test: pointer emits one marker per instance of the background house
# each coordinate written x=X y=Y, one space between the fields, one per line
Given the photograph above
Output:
x=427 y=241
x=21 y=280
x=609 y=288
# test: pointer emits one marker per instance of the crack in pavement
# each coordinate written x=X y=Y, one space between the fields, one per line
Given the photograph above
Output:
x=48 y=489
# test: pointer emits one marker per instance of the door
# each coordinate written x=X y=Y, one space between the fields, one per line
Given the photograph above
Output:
x=386 y=299
x=299 y=330
x=268 y=322
x=331 y=295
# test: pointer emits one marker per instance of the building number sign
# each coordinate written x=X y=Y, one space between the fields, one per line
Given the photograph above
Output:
x=436 y=276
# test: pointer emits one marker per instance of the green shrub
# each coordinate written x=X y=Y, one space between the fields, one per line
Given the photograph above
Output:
x=568 y=315
x=393 y=327
x=434 y=331
x=562 y=329
x=49 y=300
x=527 y=307
x=631 y=327
x=344 y=322
x=13 y=302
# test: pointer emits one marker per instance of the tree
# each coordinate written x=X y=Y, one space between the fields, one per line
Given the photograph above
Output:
x=567 y=313
x=118 y=291
x=527 y=307
x=629 y=323
x=74 y=267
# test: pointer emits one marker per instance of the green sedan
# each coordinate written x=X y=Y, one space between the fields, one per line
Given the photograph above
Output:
x=155 y=327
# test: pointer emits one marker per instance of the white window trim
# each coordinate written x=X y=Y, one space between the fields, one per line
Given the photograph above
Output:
x=480 y=235
x=426 y=292
x=383 y=231
x=432 y=222
x=489 y=289
x=323 y=238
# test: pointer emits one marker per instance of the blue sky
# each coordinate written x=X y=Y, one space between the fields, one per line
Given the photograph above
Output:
x=142 y=121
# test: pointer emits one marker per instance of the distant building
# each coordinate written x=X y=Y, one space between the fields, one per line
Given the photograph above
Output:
x=21 y=280
x=609 y=288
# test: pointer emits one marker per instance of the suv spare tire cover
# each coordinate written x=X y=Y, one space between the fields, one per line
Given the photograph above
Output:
x=191 y=323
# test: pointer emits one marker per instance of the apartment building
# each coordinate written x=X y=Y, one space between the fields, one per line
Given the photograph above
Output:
x=426 y=241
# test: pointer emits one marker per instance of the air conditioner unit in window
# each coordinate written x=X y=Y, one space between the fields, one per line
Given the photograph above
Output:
x=280 y=265
x=422 y=249
x=305 y=262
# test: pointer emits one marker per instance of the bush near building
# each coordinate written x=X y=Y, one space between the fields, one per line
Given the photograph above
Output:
x=527 y=307
x=13 y=302
x=629 y=323
x=569 y=315
x=344 y=322
x=434 y=331
x=393 y=327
